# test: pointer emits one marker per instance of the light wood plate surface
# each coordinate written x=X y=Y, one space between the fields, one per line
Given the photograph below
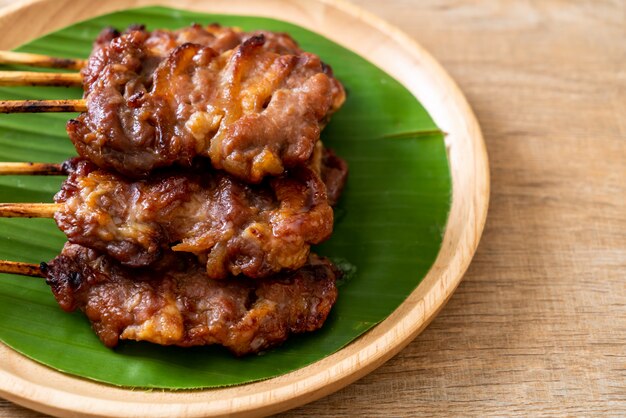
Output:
x=38 y=387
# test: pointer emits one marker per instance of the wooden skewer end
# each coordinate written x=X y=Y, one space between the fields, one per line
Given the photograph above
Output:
x=29 y=78
x=24 y=269
x=39 y=106
x=40 y=169
x=37 y=60
x=29 y=210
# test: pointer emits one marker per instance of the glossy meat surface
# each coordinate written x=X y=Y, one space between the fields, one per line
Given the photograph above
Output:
x=232 y=227
x=173 y=303
x=253 y=103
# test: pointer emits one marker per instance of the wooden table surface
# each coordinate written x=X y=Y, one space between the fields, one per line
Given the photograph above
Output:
x=538 y=326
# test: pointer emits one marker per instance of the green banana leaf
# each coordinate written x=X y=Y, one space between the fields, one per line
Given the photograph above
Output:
x=389 y=223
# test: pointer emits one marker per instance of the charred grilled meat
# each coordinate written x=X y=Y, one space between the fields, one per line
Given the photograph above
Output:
x=234 y=228
x=173 y=303
x=253 y=103
x=200 y=159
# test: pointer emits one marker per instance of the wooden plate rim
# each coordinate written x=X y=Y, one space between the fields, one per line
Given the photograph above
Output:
x=30 y=384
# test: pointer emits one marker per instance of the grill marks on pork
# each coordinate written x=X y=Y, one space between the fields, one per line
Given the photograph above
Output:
x=253 y=103
x=173 y=303
x=234 y=228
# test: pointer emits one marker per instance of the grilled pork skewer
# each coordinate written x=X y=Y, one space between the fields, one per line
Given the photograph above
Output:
x=173 y=303
x=252 y=103
x=234 y=228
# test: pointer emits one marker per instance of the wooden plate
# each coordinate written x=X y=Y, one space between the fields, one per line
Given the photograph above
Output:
x=38 y=387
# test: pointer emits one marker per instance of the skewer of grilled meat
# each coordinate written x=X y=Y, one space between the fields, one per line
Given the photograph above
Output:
x=254 y=103
x=173 y=303
x=234 y=228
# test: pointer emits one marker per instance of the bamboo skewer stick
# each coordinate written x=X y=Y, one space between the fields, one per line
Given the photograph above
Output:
x=29 y=210
x=38 y=106
x=41 y=169
x=17 y=267
x=36 y=60
x=29 y=78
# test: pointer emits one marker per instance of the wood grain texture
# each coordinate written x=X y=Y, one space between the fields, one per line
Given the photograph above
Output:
x=538 y=326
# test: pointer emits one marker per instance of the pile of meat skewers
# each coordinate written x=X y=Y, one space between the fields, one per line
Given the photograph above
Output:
x=200 y=186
